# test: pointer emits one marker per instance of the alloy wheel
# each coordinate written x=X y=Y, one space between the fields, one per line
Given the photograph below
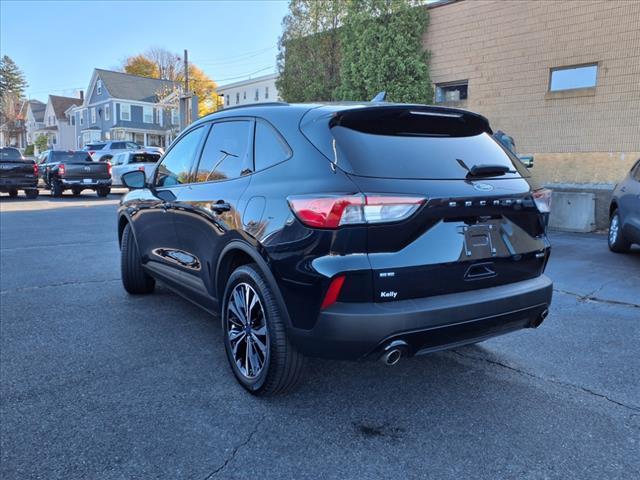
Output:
x=247 y=331
x=613 y=229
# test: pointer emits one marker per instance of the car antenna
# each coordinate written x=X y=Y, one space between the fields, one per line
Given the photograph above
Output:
x=380 y=97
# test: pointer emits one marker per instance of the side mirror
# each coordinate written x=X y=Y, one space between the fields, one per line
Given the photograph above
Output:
x=527 y=160
x=134 y=180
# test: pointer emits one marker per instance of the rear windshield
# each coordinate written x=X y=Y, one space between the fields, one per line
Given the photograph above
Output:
x=10 y=154
x=410 y=144
x=144 y=158
x=95 y=146
x=70 y=157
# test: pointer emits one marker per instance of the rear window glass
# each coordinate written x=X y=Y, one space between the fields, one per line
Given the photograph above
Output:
x=144 y=158
x=95 y=146
x=70 y=157
x=9 y=154
x=407 y=143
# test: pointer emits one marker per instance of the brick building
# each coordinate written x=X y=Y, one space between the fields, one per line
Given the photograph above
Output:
x=561 y=77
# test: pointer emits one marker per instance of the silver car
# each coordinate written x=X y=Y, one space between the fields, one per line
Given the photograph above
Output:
x=129 y=161
x=105 y=151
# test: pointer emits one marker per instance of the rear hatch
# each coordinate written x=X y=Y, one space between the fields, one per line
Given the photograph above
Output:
x=479 y=224
x=79 y=166
x=14 y=169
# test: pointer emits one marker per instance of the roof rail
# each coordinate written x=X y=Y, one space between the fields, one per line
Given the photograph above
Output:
x=251 y=105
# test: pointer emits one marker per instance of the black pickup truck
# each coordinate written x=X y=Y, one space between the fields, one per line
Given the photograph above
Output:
x=17 y=173
x=62 y=170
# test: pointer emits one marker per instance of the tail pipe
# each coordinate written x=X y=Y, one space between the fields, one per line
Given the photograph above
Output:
x=538 y=321
x=393 y=352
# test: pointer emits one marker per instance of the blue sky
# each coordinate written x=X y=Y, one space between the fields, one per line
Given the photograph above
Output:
x=58 y=43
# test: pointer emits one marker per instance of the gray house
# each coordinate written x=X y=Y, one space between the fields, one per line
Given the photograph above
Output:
x=119 y=106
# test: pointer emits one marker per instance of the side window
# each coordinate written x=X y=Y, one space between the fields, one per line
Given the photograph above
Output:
x=133 y=146
x=636 y=174
x=226 y=153
x=269 y=147
x=117 y=146
x=176 y=164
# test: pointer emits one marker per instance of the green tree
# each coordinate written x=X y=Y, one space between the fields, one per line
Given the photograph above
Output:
x=11 y=78
x=382 y=50
x=309 y=50
x=41 y=142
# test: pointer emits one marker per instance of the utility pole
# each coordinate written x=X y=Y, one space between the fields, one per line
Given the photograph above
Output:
x=187 y=92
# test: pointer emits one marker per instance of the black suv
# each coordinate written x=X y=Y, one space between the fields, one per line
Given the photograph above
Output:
x=340 y=231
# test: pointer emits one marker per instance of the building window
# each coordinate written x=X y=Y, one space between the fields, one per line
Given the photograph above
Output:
x=570 y=78
x=227 y=99
x=237 y=98
x=175 y=118
x=244 y=95
x=452 y=91
x=107 y=112
x=257 y=95
x=72 y=119
x=99 y=87
x=147 y=114
x=266 y=92
x=125 y=111
x=93 y=115
x=81 y=117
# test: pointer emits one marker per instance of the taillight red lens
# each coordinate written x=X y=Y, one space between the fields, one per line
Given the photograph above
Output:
x=332 y=211
x=91 y=152
x=542 y=198
x=333 y=292
x=35 y=169
x=61 y=169
x=109 y=168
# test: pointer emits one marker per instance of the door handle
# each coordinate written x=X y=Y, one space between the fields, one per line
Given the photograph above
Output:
x=220 y=206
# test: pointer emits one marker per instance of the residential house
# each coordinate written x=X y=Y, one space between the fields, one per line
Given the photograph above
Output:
x=34 y=119
x=58 y=126
x=120 y=106
x=255 y=90
x=12 y=129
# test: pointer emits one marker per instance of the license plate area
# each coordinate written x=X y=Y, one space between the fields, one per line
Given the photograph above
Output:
x=87 y=180
x=478 y=242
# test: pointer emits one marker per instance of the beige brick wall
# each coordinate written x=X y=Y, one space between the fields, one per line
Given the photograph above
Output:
x=506 y=48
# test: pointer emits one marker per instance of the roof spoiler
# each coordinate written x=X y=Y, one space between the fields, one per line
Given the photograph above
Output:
x=412 y=120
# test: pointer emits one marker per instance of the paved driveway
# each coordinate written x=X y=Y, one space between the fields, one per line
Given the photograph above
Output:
x=97 y=384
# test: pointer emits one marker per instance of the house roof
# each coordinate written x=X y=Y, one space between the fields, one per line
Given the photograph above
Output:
x=37 y=109
x=61 y=104
x=133 y=87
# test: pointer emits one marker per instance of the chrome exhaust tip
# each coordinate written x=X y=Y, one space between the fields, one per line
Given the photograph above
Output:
x=391 y=357
x=538 y=321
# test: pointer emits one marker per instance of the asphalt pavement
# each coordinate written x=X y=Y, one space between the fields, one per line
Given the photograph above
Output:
x=97 y=384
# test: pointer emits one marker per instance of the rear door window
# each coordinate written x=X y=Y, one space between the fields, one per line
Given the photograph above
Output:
x=226 y=153
x=269 y=146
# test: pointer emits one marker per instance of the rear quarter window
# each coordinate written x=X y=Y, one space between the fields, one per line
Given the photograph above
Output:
x=269 y=147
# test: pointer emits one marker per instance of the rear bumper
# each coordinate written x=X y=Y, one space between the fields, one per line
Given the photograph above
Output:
x=7 y=184
x=360 y=330
x=68 y=183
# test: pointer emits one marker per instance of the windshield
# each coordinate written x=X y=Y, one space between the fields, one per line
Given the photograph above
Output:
x=144 y=158
x=95 y=146
x=70 y=157
x=10 y=154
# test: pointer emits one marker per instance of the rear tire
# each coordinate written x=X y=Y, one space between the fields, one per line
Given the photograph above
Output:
x=134 y=279
x=13 y=193
x=282 y=365
x=31 y=193
x=76 y=191
x=617 y=242
x=103 y=191
x=56 y=189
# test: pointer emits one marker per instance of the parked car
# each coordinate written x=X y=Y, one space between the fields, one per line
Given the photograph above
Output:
x=17 y=173
x=340 y=231
x=158 y=150
x=134 y=160
x=624 y=212
x=104 y=151
x=62 y=170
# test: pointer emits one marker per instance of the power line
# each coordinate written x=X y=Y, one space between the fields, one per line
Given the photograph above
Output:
x=235 y=58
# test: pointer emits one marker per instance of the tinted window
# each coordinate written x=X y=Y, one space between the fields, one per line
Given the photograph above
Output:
x=9 y=154
x=144 y=158
x=70 y=157
x=133 y=146
x=118 y=146
x=94 y=146
x=568 y=78
x=226 y=152
x=269 y=147
x=636 y=174
x=177 y=163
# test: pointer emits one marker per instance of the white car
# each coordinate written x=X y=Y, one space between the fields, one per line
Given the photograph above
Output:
x=129 y=161
x=105 y=151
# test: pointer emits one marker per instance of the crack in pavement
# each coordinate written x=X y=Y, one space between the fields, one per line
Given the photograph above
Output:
x=589 y=297
x=557 y=382
x=235 y=450
x=54 y=285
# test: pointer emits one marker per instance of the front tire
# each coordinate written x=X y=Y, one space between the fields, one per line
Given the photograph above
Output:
x=617 y=242
x=103 y=191
x=76 y=191
x=56 y=189
x=259 y=353
x=13 y=193
x=31 y=193
x=134 y=279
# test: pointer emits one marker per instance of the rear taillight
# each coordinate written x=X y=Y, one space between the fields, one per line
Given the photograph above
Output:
x=333 y=292
x=333 y=211
x=61 y=169
x=542 y=198
x=109 y=168
x=35 y=169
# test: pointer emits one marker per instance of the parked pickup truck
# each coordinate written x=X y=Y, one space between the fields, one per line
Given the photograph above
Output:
x=17 y=173
x=62 y=170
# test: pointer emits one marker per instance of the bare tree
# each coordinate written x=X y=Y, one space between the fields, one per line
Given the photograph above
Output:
x=170 y=66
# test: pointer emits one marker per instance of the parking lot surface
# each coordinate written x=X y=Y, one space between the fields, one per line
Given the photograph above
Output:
x=98 y=384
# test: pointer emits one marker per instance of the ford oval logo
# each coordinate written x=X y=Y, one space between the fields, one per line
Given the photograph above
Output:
x=483 y=187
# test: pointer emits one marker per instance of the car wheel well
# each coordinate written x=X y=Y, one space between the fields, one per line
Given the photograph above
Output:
x=612 y=208
x=231 y=260
x=122 y=223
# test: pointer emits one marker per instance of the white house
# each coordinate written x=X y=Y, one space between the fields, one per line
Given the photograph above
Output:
x=56 y=126
x=254 y=90
x=35 y=118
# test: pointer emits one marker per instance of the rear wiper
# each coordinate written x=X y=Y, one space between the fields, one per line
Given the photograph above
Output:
x=484 y=169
